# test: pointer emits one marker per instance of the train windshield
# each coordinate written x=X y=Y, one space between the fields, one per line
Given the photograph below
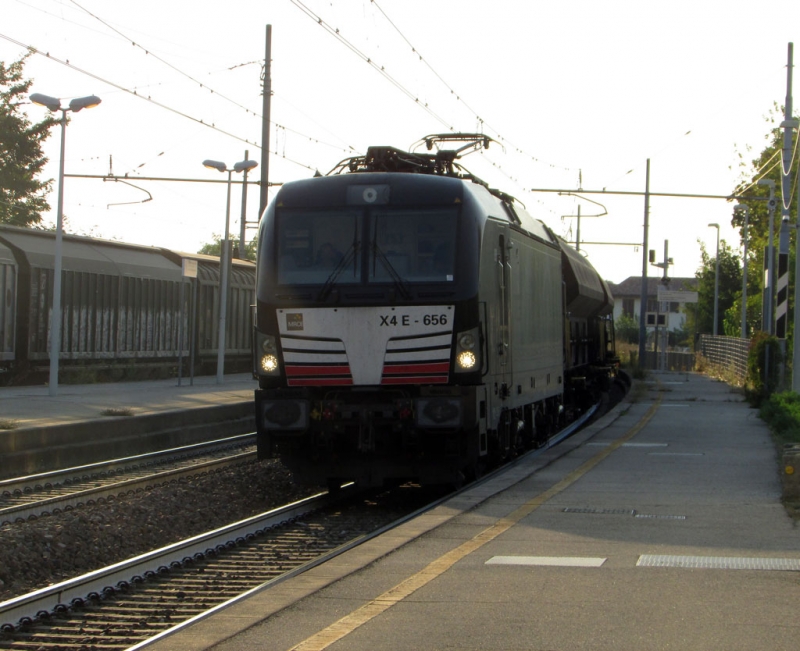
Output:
x=412 y=245
x=313 y=246
x=400 y=245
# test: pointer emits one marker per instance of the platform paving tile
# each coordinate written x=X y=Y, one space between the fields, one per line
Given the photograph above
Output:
x=730 y=500
x=34 y=407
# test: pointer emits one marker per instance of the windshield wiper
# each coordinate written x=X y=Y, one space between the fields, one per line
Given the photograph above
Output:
x=349 y=255
x=398 y=280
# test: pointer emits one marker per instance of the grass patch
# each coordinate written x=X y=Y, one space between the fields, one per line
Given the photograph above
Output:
x=117 y=411
x=6 y=423
x=781 y=411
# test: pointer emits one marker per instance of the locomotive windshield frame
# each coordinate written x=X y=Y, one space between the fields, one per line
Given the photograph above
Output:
x=373 y=236
x=387 y=244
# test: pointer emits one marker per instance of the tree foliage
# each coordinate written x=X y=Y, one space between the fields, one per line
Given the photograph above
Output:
x=22 y=193
x=767 y=165
x=626 y=329
x=215 y=248
x=763 y=363
x=701 y=314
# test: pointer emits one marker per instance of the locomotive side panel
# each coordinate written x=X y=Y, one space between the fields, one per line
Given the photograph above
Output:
x=521 y=289
x=537 y=317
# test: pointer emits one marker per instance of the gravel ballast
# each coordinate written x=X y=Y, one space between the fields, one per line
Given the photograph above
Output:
x=49 y=550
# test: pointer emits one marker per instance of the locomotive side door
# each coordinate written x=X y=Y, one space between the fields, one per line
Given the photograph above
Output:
x=504 y=338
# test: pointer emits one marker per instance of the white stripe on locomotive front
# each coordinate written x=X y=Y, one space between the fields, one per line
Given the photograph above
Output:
x=365 y=334
x=419 y=342
x=419 y=355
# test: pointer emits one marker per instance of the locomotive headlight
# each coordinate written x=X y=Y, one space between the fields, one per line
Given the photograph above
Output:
x=467 y=341
x=466 y=360
x=267 y=354
x=269 y=363
x=268 y=344
x=467 y=351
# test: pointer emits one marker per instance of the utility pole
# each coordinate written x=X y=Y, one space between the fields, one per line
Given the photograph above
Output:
x=643 y=298
x=662 y=358
x=781 y=311
x=243 y=219
x=789 y=124
x=746 y=210
x=265 y=109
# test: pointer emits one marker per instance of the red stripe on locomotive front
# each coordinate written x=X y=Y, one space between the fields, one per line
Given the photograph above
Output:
x=306 y=371
x=423 y=379
x=408 y=369
x=319 y=382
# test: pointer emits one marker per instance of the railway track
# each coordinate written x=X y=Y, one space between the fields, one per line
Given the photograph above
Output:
x=151 y=596
x=130 y=602
x=30 y=497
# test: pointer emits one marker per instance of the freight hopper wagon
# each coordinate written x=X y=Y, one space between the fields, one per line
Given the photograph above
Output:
x=123 y=306
x=411 y=324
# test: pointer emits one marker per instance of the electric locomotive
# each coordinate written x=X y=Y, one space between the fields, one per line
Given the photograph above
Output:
x=413 y=324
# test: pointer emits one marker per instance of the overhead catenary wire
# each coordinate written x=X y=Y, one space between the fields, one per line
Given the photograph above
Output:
x=379 y=68
x=151 y=53
x=787 y=201
x=149 y=99
x=742 y=188
x=460 y=99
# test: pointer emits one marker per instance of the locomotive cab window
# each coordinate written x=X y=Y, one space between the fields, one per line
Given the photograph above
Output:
x=314 y=245
x=412 y=245
x=396 y=245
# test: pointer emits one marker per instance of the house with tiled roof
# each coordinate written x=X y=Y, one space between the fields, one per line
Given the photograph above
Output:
x=628 y=298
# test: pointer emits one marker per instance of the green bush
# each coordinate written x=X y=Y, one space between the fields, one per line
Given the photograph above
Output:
x=759 y=387
x=782 y=413
x=626 y=329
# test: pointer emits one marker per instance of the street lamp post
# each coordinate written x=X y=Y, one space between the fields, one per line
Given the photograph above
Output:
x=716 y=282
x=746 y=210
x=75 y=105
x=241 y=166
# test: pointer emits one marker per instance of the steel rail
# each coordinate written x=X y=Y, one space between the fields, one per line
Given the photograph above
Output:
x=62 y=595
x=17 y=613
x=80 y=472
x=48 y=505
x=27 y=497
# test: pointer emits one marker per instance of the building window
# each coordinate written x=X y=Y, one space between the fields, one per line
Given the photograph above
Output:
x=627 y=307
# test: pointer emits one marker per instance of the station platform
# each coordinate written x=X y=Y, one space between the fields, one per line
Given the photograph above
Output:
x=40 y=432
x=660 y=526
x=33 y=406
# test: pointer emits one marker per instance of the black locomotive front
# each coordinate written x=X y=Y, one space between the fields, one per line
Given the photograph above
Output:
x=367 y=345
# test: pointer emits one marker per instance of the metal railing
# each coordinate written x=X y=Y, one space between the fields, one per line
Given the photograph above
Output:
x=669 y=361
x=729 y=353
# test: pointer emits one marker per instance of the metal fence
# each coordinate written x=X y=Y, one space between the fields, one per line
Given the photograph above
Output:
x=729 y=353
x=669 y=361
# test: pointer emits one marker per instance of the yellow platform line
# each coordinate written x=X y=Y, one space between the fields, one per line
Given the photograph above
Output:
x=361 y=616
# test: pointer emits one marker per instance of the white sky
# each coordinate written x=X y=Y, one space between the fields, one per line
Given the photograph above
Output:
x=591 y=86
